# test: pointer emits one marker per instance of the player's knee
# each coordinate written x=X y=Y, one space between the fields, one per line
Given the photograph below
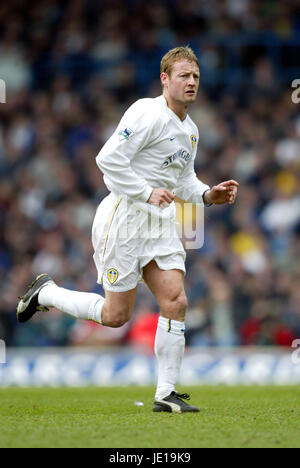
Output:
x=175 y=306
x=116 y=317
x=118 y=321
x=181 y=304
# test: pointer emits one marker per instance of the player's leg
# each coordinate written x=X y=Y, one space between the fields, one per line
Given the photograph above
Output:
x=114 y=310
x=118 y=308
x=168 y=289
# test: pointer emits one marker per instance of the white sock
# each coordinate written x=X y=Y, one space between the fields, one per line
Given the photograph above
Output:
x=81 y=305
x=169 y=351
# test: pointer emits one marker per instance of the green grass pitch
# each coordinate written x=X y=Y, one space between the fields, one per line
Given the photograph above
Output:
x=108 y=417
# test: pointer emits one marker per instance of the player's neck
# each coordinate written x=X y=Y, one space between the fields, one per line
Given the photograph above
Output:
x=178 y=108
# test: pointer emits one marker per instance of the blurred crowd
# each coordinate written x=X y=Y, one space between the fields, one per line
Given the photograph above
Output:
x=71 y=69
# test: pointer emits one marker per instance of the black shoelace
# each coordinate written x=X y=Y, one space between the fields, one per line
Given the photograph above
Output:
x=184 y=396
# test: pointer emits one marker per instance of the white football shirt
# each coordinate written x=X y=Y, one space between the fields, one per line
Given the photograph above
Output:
x=152 y=148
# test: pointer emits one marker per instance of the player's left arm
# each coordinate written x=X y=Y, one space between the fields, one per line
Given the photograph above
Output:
x=189 y=188
x=225 y=192
x=192 y=189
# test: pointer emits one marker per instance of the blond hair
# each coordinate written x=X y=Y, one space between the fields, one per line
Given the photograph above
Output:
x=175 y=55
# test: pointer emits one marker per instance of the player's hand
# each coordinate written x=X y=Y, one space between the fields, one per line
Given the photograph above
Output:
x=225 y=192
x=161 y=197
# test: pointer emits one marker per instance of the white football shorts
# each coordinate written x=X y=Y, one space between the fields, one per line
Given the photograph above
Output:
x=127 y=235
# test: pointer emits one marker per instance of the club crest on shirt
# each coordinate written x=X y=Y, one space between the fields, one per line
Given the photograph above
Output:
x=193 y=140
x=112 y=275
x=125 y=133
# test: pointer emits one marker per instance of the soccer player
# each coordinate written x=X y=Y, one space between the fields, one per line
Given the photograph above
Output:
x=147 y=161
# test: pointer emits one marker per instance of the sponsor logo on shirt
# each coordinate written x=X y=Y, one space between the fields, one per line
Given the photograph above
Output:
x=125 y=133
x=181 y=154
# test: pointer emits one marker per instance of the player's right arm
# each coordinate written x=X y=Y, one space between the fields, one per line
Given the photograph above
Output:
x=161 y=197
x=134 y=131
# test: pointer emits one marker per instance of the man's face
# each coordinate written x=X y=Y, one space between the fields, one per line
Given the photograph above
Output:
x=183 y=82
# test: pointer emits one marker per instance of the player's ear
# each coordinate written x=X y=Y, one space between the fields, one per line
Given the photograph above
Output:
x=164 y=77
